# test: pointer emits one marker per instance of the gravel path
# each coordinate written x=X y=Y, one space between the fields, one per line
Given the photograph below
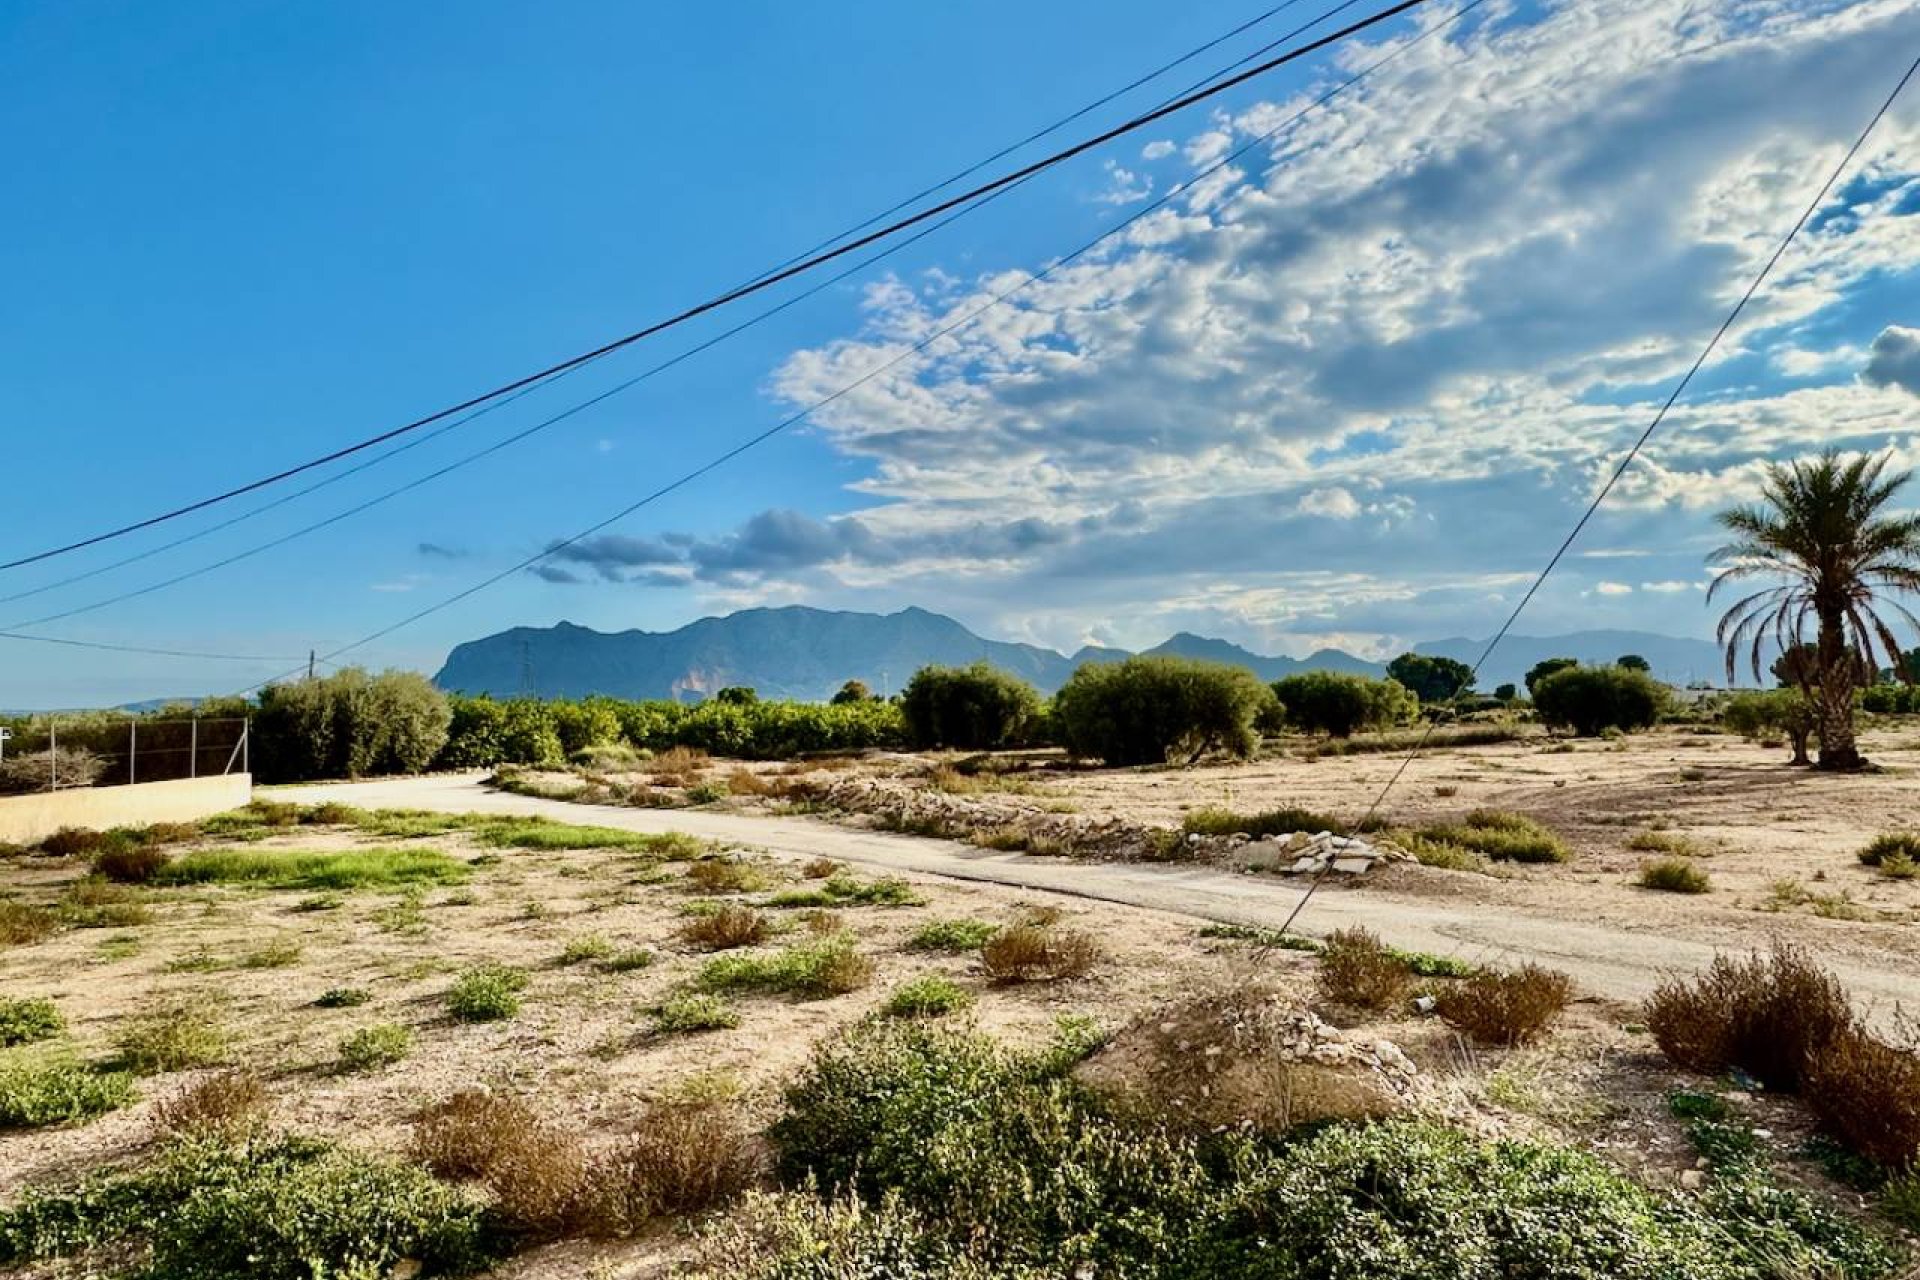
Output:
x=1607 y=960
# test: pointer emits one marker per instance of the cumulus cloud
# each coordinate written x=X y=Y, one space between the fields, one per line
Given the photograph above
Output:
x=1450 y=299
x=1894 y=360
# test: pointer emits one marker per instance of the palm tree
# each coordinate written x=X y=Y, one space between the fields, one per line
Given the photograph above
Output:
x=1822 y=528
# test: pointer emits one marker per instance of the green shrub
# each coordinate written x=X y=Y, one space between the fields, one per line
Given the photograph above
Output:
x=1773 y=713
x=287 y=1206
x=544 y=833
x=1337 y=704
x=41 y=1086
x=628 y=960
x=23 y=1021
x=172 y=1037
x=927 y=997
x=1497 y=834
x=1213 y=821
x=134 y=864
x=828 y=966
x=486 y=993
x=1891 y=844
x=1673 y=875
x=590 y=947
x=1590 y=700
x=380 y=1045
x=1152 y=710
x=688 y=1013
x=23 y=924
x=975 y=708
x=952 y=935
x=980 y=1155
x=348 y=725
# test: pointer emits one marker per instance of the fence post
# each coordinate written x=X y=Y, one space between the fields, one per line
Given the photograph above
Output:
x=133 y=748
x=193 y=752
x=246 y=745
x=53 y=754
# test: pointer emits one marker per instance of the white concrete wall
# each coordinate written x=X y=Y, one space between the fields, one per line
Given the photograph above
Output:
x=26 y=819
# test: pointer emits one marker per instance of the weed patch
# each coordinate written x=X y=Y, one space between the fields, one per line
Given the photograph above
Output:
x=725 y=928
x=1499 y=835
x=226 y=1106
x=1673 y=875
x=380 y=1045
x=42 y=1085
x=24 y=1021
x=1506 y=1007
x=1038 y=953
x=953 y=935
x=486 y=993
x=172 y=1038
x=928 y=997
x=1356 y=970
x=684 y=1014
x=828 y=966
x=345 y=870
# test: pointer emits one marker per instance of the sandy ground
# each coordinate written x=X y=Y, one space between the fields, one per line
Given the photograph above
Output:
x=1585 y=917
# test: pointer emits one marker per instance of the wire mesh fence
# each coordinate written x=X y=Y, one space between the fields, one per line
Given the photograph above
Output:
x=55 y=753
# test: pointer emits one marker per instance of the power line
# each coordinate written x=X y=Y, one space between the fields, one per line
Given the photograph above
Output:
x=764 y=282
x=801 y=415
x=1627 y=461
x=915 y=198
x=538 y=427
x=133 y=648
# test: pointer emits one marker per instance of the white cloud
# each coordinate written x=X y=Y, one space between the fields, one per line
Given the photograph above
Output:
x=1613 y=588
x=1453 y=300
x=1157 y=150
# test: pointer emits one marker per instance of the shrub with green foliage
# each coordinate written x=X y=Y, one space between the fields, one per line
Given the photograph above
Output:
x=281 y=1206
x=293 y=869
x=1674 y=875
x=976 y=708
x=931 y=996
x=44 y=1085
x=1429 y=678
x=828 y=966
x=379 y=1045
x=348 y=725
x=486 y=993
x=953 y=935
x=1591 y=700
x=1338 y=705
x=690 y=1012
x=1546 y=667
x=979 y=1155
x=27 y=1019
x=1492 y=833
x=1152 y=710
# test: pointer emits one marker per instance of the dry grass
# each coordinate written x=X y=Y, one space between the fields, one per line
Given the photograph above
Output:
x=685 y=1158
x=1356 y=969
x=1867 y=1094
x=226 y=1105
x=821 y=869
x=745 y=782
x=1506 y=1008
x=1031 y=952
x=1673 y=875
x=131 y=864
x=677 y=767
x=23 y=924
x=729 y=927
x=1767 y=1015
x=725 y=875
x=539 y=1172
x=172 y=1038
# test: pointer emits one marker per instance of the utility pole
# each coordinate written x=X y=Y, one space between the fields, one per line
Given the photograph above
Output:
x=309 y=664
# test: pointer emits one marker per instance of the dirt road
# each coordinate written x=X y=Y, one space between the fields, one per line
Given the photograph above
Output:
x=1608 y=960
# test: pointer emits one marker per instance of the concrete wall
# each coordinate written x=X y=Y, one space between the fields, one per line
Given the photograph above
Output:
x=25 y=819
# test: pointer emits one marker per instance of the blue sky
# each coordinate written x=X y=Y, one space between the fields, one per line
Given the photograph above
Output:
x=1349 y=389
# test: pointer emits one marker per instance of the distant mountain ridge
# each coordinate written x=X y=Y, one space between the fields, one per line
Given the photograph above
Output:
x=806 y=654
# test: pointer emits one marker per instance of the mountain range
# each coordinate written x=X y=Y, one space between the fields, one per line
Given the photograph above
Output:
x=807 y=654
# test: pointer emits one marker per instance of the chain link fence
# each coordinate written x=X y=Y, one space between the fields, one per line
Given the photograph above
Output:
x=55 y=753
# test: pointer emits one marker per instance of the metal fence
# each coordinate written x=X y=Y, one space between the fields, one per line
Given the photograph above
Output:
x=52 y=753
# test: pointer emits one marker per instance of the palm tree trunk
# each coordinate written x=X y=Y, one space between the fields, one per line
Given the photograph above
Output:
x=1838 y=750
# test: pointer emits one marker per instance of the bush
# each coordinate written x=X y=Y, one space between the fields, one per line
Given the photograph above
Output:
x=68 y=768
x=270 y=1206
x=1497 y=834
x=24 y=1021
x=1770 y=1016
x=1335 y=704
x=22 y=923
x=1891 y=844
x=380 y=1045
x=685 y=1158
x=486 y=993
x=227 y=1105
x=976 y=708
x=827 y=967
x=1037 y=953
x=1506 y=1008
x=729 y=927
x=39 y=1086
x=132 y=864
x=342 y=998
x=1773 y=713
x=74 y=842
x=1356 y=969
x=952 y=935
x=1153 y=710
x=1674 y=875
x=688 y=1013
x=349 y=725
x=1867 y=1094
x=172 y=1038
x=928 y=997
x=725 y=875
x=1591 y=700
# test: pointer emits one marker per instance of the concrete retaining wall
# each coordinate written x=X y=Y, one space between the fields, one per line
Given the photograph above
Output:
x=25 y=819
